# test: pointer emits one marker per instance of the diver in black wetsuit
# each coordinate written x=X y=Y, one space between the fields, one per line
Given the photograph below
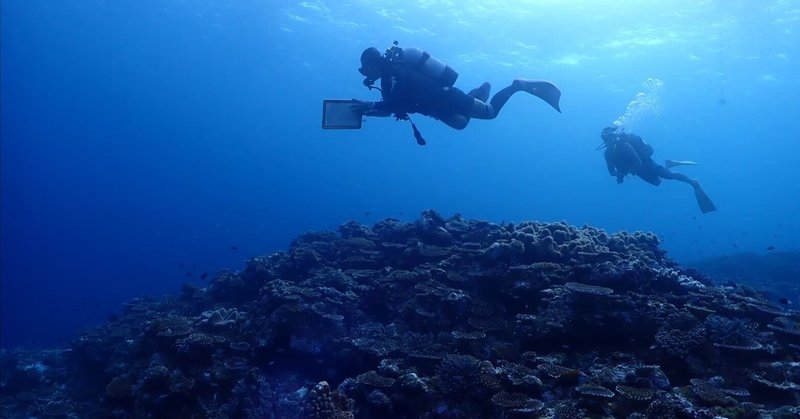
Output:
x=414 y=82
x=629 y=154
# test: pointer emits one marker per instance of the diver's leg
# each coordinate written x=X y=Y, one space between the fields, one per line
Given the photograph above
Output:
x=666 y=174
x=649 y=172
x=456 y=121
x=500 y=98
x=462 y=107
x=648 y=177
x=482 y=110
x=703 y=201
x=481 y=92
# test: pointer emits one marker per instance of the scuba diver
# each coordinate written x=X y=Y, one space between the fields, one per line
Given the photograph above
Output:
x=414 y=82
x=629 y=154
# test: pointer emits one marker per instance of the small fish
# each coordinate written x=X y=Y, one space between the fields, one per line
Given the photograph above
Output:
x=181 y=265
x=770 y=248
x=204 y=275
x=734 y=245
x=188 y=274
x=784 y=301
x=234 y=247
x=367 y=213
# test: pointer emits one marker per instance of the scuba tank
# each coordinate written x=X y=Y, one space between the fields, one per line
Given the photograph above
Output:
x=424 y=64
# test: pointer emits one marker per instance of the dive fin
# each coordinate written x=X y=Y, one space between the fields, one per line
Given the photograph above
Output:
x=672 y=163
x=703 y=201
x=542 y=89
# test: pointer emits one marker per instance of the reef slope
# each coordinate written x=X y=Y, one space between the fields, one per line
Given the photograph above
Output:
x=439 y=318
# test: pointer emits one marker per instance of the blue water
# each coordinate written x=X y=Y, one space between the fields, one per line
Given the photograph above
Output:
x=146 y=141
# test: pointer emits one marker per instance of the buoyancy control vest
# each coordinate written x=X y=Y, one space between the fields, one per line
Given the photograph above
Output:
x=644 y=150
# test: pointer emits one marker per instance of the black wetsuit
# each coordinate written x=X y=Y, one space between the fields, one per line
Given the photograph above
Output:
x=406 y=91
x=630 y=154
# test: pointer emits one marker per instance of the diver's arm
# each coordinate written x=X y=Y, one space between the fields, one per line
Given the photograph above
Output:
x=380 y=108
x=612 y=168
x=371 y=108
x=612 y=155
x=629 y=155
x=642 y=148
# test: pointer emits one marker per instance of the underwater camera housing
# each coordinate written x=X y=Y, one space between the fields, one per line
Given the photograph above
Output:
x=340 y=114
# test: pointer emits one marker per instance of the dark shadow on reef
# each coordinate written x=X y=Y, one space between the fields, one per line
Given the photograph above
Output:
x=440 y=318
x=777 y=273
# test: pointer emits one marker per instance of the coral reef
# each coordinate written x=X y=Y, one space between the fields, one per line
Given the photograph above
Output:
x=439 y=318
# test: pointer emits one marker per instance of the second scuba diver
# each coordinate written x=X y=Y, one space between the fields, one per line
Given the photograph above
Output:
x=628 y=154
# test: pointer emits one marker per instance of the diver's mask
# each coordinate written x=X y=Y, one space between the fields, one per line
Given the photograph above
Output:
x=610 y=136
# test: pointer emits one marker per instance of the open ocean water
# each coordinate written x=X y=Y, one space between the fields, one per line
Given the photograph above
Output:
x=152 y=143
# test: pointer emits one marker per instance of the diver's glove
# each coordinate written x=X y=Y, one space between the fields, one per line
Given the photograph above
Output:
x=362 y=106
x=369 y=108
